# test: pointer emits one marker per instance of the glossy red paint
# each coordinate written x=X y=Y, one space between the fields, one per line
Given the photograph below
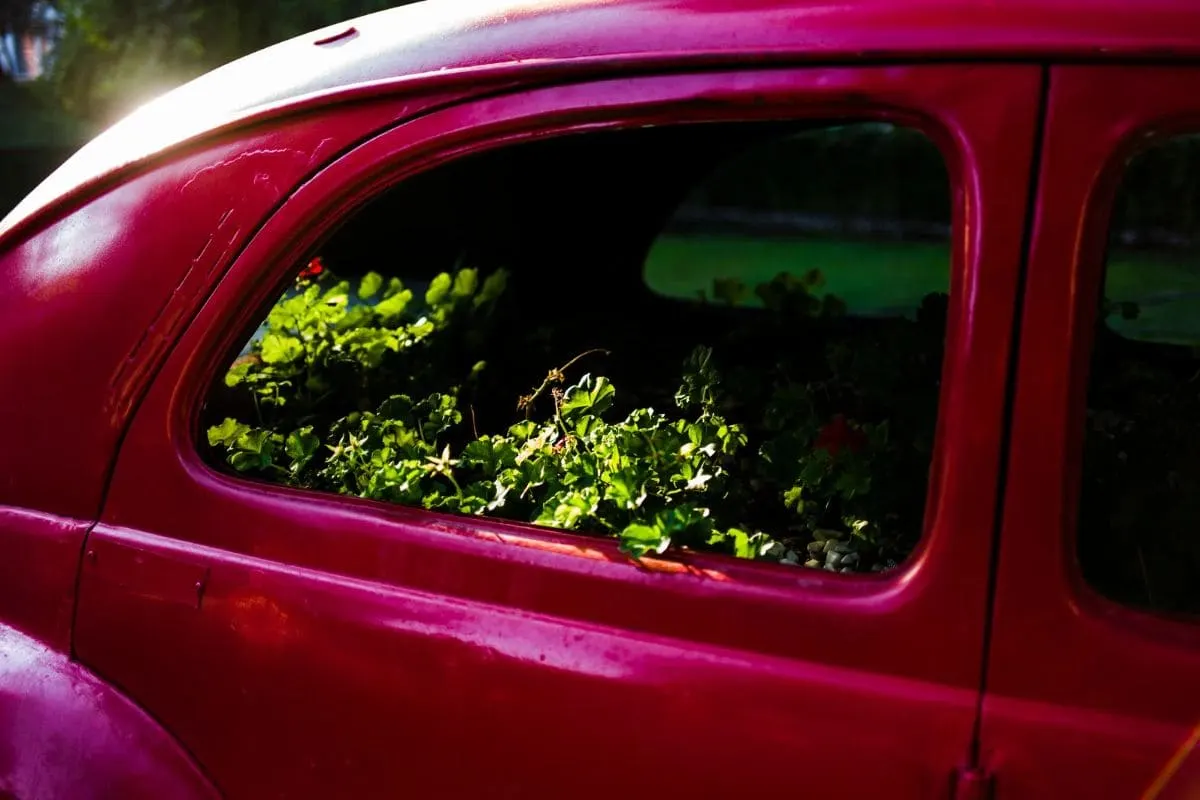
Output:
x=551 y=659
x=307 y=646
x=1084 y=697
x=118 y=279
x=38 y=569
x=64 y=733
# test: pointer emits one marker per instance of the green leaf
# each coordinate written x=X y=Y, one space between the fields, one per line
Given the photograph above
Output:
x=493 y=287
x=245 y=462
x=370 y=285
x=465 y=281
x=436 y=414
x=338 y=293
x=398 y=406
x=586 y=425
x=301 y=445
x=591 y=396
x=439 y=287
x=732 y=438
x=394 y=287
x=238 y=372
x=225 y=434
x=684 y=519
x=639 y=538
x=700 y=381
x=743 y=547
x=255 y=441
x=793 y=498
x=475 y=498
x=490 y=454
x=523 y=430
x=278 y=349
x=421 y=329
x=624 y=489
x=569 y=509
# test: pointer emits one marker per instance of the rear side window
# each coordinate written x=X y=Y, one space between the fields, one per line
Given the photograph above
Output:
x=723 y=338
x=1139 y=523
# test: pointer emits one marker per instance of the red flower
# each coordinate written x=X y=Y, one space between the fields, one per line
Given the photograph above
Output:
x=838 y=435
x=314 y=268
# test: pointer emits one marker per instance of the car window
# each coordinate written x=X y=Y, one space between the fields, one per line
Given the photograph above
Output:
x=1138 y=539
x=711 y=337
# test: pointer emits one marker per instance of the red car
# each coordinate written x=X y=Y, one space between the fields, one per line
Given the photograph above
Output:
x=1009 y=186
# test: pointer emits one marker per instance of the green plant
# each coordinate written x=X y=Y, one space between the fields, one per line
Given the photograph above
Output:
x=366 y=398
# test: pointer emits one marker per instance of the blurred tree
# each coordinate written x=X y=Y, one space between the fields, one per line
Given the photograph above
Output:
x=116 y=54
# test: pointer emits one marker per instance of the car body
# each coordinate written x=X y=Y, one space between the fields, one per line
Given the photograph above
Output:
x=170 y=631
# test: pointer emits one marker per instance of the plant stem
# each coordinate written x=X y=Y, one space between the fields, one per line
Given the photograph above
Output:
x=552 y=377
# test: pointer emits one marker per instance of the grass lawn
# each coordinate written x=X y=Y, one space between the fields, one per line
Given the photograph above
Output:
x=891 y=278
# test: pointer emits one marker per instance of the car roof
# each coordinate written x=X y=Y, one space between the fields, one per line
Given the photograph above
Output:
x=469 y=37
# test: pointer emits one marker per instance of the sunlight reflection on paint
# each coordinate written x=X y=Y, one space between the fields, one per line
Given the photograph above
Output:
x=593 y=553
x=67 y=248
x=530 y=641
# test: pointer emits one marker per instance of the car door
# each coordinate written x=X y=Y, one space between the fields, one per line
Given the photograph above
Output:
x=1093 y=682
x=302 y=644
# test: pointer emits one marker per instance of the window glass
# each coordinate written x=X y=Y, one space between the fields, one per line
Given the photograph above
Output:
x=866 y=204
x=1138 y=539
x=499 y=337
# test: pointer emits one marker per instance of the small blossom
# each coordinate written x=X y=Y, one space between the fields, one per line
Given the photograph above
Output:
x=314 y=268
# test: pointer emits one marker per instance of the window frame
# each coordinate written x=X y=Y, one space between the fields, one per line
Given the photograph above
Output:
x=1121 y=140
x=282 y=273
x=951 y=560
x=1075 y=681
x=908 y=122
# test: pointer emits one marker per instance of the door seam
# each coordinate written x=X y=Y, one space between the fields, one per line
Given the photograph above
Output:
x=1033 y=193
